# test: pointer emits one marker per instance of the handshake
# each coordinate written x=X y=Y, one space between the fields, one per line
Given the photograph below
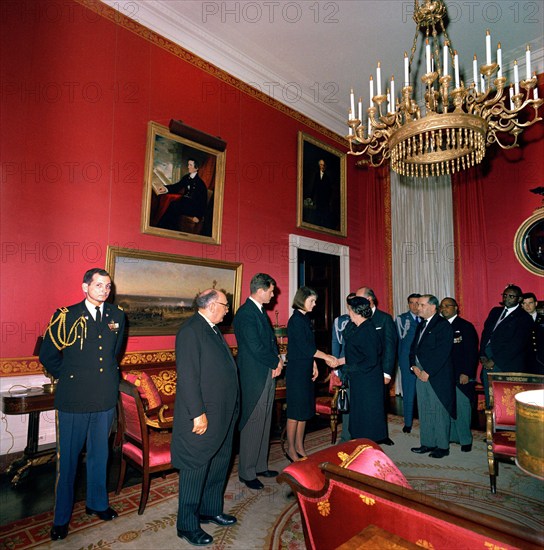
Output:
x=331 y=361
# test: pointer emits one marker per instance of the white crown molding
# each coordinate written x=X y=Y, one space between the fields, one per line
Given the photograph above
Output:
x=170 y=24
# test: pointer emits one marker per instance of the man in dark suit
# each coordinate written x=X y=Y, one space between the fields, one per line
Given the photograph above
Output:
x=465 y=362
x=388 y=336
x=536 y=346
x=505 y=337
x=430 y=357
x=80 y=349
x=259 y=363
x=186 y=212
x=205 y=414
x=406 y=329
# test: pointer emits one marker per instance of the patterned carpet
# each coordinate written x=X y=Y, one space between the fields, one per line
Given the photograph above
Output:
x=270 y=518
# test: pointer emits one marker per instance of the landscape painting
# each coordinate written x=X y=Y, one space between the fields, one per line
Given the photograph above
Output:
x=157 y=290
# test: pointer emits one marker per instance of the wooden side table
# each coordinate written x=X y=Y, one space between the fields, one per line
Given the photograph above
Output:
x=32 y=403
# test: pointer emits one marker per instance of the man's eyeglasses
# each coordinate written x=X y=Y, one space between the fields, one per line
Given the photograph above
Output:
x=509 y=295
x=226 y=306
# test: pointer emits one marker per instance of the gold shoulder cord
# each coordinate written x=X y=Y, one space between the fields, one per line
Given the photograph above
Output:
x=60 y=340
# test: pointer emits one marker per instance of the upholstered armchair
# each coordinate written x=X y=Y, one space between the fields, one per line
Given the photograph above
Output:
x=353 y=496
x=501 y=417
x=144 y=447
x=327 y=405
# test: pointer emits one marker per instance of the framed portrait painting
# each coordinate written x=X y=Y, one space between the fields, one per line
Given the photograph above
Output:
x=183 y=189
x=321 y=187
x=157 y=291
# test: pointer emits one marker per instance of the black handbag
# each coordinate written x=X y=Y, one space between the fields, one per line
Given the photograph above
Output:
x=342 y=404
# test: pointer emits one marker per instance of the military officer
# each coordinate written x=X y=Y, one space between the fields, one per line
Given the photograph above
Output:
x=80 y=349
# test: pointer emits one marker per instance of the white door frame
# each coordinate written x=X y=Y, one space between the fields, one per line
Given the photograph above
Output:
x=297 y=242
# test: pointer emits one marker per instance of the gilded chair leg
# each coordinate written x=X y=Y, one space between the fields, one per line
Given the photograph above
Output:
x=334 y=428
x=493 y=467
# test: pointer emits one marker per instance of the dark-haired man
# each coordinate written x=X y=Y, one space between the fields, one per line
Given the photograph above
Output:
x=189 y=209
x=259 y=363
x=406 y=329
x=80 y=348
x=465 y=362
x=430 y=357
x=536 y=346
x=505 y=337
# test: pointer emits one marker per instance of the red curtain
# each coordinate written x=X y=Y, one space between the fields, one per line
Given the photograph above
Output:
x=471 y=244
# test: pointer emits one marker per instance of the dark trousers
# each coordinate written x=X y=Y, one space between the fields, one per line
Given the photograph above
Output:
x=73 y=431
x=255 y=435
x=201 y=490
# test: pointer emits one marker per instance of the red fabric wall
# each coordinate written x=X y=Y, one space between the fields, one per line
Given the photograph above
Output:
x=77 y=93
x=491 y=202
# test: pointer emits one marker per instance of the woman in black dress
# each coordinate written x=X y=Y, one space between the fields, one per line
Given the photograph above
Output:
x=301 y=371
x=363 y=369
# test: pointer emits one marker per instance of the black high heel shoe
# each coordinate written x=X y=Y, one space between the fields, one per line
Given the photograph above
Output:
x=288 y=457
x=301 y=456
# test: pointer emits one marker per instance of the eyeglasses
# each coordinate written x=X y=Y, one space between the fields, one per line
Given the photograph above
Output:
x=226 y=306
x=509 y=295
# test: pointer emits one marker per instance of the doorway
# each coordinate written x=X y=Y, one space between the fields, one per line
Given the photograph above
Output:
x=322 y=273
x=312 y=270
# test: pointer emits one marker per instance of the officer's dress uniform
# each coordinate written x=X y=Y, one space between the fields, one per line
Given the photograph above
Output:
x=82 y=354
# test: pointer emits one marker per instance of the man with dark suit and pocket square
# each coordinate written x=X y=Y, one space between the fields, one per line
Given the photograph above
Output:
x=464 y=356
x=259 y=363
x=430 y=357
x=505 y=338
x=205 y=413
x=80 y=349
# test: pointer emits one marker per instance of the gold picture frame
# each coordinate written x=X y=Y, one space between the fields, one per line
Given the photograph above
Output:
x=321 y=196
x=529 y=243
x=173 y=205
x=157 y=290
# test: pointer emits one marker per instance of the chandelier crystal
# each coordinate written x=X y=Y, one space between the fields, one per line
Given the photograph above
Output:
x=457 y=124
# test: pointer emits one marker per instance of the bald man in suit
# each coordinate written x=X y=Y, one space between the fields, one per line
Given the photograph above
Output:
x=430 y=357
x=206 y=411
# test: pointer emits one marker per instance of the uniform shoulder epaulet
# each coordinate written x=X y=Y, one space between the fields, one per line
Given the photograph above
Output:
x=64 y=309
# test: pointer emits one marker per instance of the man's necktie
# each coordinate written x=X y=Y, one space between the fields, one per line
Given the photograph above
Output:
x=501 y=318
x=423 y=324
x=98 y=314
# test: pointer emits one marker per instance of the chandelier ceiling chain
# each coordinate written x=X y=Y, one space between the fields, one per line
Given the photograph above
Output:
x=458 y=124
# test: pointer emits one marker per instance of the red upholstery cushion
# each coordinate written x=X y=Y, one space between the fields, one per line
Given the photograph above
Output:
x=504 y=443
x=323 y=405
x=146 y=387
x=370 y=461
x=307 y=472
x=159 y=449
x=504 y=402
x=334 y=381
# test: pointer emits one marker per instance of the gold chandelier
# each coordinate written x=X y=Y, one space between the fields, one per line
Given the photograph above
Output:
x=451 y=135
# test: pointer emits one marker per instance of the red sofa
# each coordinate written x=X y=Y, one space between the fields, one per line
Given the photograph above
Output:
x=351 y=489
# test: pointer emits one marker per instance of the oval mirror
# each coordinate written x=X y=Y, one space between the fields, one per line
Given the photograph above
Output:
x=529 y=243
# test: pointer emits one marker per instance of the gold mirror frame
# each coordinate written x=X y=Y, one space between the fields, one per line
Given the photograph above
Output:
x=522 y=244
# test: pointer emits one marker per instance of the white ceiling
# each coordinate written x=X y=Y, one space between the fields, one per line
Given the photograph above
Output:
x=309 y=53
